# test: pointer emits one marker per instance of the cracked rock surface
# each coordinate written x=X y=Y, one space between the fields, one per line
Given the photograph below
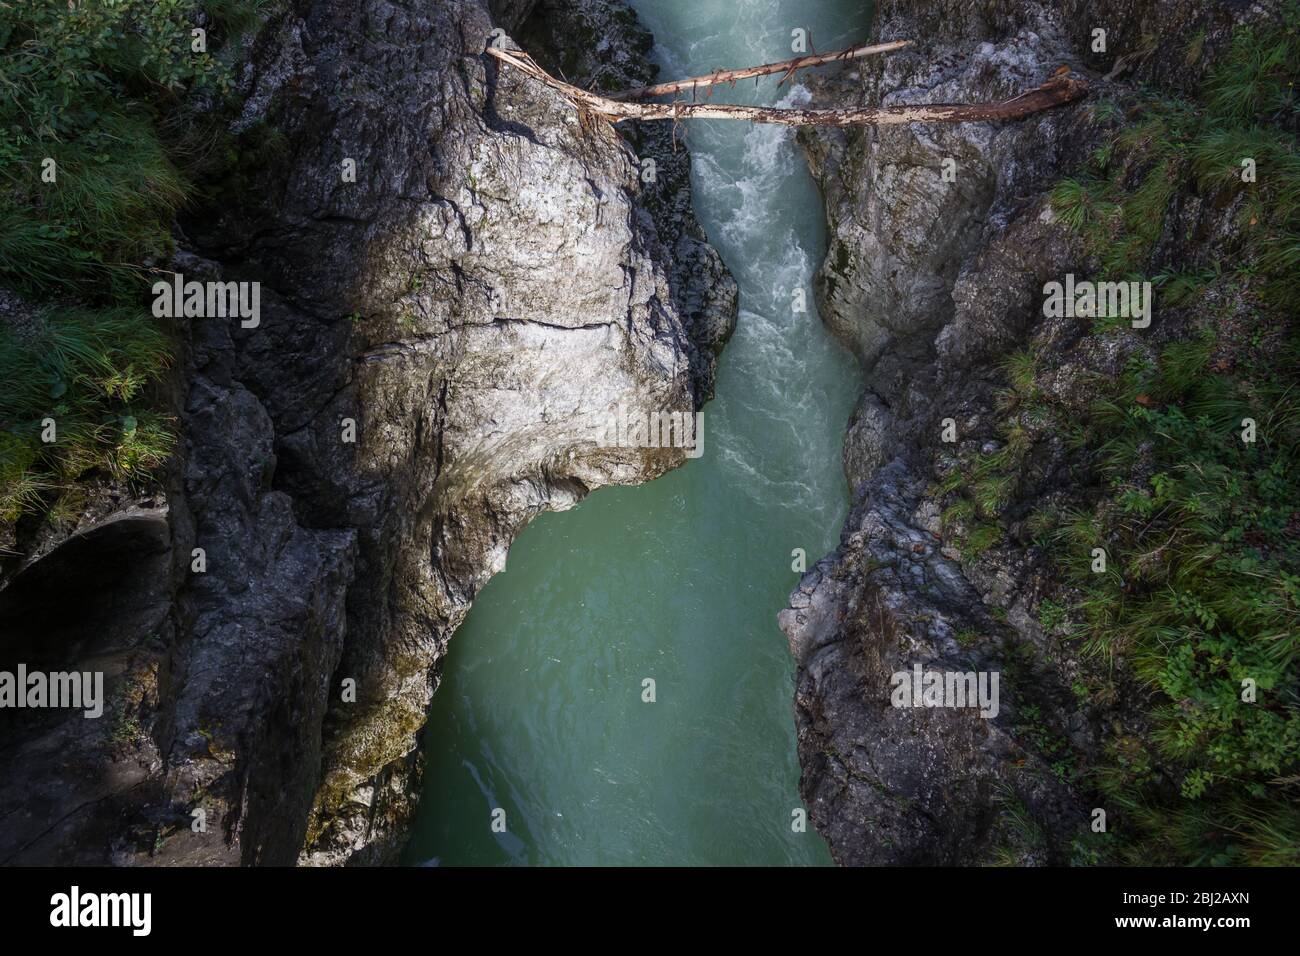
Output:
x=932 y=281
x=441 y=336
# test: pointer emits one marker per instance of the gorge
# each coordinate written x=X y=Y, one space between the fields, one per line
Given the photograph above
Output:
x=911 y=457
x=679 y=580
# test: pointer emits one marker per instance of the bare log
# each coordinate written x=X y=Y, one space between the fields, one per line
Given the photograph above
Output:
x=1060 y=89
x=788 y=67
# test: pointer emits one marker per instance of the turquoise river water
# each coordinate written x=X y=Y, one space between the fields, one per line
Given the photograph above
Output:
x=540 y=712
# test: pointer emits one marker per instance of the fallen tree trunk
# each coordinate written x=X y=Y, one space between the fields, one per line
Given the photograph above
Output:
x=1060 y=89
x=788 y=67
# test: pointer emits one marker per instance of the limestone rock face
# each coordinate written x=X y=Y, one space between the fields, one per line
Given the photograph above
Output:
x=460 y=285
x=901 y=785
x=933 y=280
x=907 y=206
x=510 y=293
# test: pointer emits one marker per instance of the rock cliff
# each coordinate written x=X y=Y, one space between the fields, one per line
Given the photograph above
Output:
x=459 y=284
x=941 y=241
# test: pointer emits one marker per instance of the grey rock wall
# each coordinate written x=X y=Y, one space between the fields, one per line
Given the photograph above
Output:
x=932 y=282
x=494 y=284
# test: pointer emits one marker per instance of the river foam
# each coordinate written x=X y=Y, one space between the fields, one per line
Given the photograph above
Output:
x=543 y=712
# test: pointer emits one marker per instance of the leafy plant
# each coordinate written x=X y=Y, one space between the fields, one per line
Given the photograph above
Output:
x=90 y=181
x=1200 y=526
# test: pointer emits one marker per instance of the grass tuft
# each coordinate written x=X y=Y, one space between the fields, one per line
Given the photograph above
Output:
x=90 y=181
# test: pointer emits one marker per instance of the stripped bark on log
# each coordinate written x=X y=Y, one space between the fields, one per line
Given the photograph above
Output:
x=788 y=67
x=1060 y=89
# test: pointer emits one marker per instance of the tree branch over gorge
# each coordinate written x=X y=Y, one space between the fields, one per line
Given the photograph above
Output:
x=1061 y=88
x=785 y=67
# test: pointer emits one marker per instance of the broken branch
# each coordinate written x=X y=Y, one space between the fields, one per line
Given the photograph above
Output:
x=787 y=67
x=1057 y=91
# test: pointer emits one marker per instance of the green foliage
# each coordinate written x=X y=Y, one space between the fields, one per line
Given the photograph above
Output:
x=94 y=94
x=1051 y=615
x=1201 y=593
x=1121 y=204
x=1201 y=528
x=1020 y=369
x=65 y=61
x=87 y=369
x=85 y=85
x=981 y=538
x=959 y=512
x=1081 y=202
x=1024 y=839
x=109 y=210
x=1258 y=80
x=1053 y=747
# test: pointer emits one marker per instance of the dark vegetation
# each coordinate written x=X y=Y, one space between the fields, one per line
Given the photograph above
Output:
x=1200 y=599
x=116 y=96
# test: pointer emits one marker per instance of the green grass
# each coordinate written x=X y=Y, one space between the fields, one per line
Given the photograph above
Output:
x=1202 y=530
x=1257 y=84
x=96 y=93
x=87 y=370
x=1162 y=147
x=1023 y=837
x=109 y=210
x=1206 y=559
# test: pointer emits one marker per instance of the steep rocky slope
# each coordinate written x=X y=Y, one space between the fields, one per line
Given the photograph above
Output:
x=439 y=340
x=951 y=558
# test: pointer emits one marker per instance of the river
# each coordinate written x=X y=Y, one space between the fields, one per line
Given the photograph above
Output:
x=541 y=711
